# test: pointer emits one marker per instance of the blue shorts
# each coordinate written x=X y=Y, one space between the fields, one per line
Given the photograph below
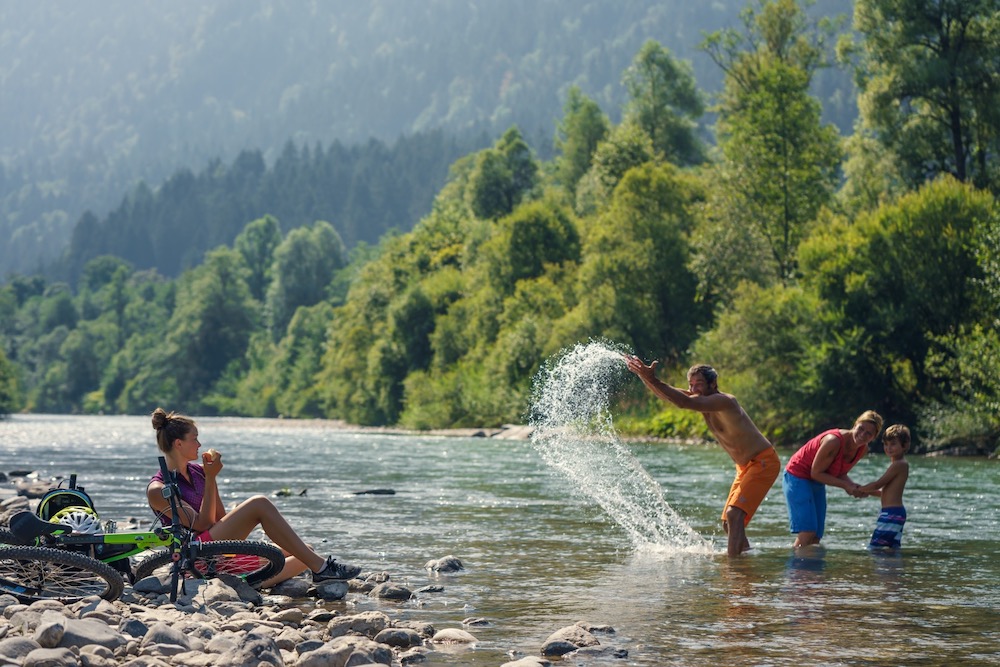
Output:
x=806 y=501
x=889 y=528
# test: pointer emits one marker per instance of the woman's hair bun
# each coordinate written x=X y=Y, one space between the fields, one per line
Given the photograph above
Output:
x=159 y=418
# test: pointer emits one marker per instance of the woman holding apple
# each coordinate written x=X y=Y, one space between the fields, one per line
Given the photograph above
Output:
x=201 y=504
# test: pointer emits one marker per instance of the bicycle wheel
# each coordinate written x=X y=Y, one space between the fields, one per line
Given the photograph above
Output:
x=254 y=562
x=40 y=573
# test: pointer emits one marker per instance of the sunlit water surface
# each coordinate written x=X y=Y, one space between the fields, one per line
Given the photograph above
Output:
x=542 y=550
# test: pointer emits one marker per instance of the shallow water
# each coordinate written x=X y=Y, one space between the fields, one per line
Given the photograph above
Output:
x=541 y=553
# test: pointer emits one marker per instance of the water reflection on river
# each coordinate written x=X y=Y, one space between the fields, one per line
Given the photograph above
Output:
x=540 y=556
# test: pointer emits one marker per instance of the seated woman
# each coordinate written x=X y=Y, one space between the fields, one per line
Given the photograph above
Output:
x=202 y=509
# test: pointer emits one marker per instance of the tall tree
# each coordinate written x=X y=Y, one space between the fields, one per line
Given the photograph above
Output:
x=626 y=147
x=211 y=324
x=780 y=163
x=304 y=266
x=582 y=127
x=256 y=243
x=665 y=102
x=10 y=393
x=502 y=176
x=930 y=88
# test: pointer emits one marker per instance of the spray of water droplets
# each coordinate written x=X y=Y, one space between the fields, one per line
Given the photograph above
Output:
x=574 y=433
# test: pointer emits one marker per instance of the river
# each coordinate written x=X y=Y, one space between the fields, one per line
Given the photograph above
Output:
x=540 y=553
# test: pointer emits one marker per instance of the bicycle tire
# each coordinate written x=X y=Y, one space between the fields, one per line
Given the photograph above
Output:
x=254 y=562
x=7 y=537
x=41 y=573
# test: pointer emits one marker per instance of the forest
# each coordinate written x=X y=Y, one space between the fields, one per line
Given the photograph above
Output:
x=821 y=274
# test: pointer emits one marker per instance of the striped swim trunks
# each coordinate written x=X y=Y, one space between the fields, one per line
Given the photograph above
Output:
x=889 y=528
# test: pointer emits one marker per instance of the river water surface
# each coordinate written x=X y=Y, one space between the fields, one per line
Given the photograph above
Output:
x=542 y=550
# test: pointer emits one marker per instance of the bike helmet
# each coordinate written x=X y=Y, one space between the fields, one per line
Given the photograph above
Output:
x=81 y=520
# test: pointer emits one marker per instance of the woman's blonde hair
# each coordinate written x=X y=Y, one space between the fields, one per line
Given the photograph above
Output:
x=870 y=416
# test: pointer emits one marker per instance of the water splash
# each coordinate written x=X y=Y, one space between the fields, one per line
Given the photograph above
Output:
x=574 y=433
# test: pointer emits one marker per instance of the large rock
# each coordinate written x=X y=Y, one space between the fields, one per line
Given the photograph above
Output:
x=161 y=633
x=399 y=638
x=14 y=649
x=84 y=631
x=50 y=657
x=391 y=591
x=357 y=651
x=446 y=564
x=453 y=636
x=50 y=630
x=367 y=623
x=568 y=639
x=254 y=649
x=528 y=661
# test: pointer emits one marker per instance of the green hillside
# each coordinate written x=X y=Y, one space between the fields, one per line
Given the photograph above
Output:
x=98 y=95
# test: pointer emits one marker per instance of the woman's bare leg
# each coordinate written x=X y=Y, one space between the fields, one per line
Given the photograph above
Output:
x=293 y=566
x=260 y=511
x=805 y=539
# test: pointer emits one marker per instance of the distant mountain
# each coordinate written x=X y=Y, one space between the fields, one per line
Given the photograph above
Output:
x=97 y=95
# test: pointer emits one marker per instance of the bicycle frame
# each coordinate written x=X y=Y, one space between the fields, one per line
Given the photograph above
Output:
x=176 y=536
x=54 y=544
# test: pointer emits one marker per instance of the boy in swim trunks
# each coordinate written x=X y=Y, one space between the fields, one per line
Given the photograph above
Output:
x=757 y=463
x=889 y=527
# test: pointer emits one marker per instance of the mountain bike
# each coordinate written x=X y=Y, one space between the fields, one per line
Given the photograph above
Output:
x=72 y=556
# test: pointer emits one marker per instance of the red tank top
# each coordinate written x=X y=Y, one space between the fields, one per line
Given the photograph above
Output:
x=801 y=462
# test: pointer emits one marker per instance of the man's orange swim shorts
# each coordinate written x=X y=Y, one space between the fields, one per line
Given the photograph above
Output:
x=752 y=483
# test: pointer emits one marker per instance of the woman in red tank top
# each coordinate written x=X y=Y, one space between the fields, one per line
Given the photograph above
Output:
x=824 y=461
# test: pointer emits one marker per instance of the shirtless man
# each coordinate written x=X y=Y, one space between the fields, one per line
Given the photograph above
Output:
x=757 y=463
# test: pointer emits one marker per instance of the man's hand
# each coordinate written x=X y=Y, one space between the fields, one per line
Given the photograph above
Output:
x=635 y=365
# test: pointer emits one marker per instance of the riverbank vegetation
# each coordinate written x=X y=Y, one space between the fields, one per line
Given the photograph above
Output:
x=821 y=275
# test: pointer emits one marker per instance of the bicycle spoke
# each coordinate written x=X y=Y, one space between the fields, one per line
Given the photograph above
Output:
x=49 y=579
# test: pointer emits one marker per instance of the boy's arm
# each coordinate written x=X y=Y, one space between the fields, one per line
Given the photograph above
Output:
x=890 y=474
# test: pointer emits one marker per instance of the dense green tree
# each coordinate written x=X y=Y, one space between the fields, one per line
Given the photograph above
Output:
x=535 y=235
x=780 y=163
x=968 y=361
x=57 y=308
x=211 y=324
x=871 y=173
x=138 y=373
x=927 y=72
x=772 y=345
x=77 y=368
x=633 y=284
x=491 y=186
x=521 y=161
x=10 y=392
x=502 y=177
x=347 y=376
x=665 y=102
x=101 y=271
x=305 y=264
x=904 y=277
x=626 y=147
x=257 y=243
x=582 y=128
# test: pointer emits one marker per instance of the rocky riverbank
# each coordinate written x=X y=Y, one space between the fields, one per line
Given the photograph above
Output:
x=225 y=623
